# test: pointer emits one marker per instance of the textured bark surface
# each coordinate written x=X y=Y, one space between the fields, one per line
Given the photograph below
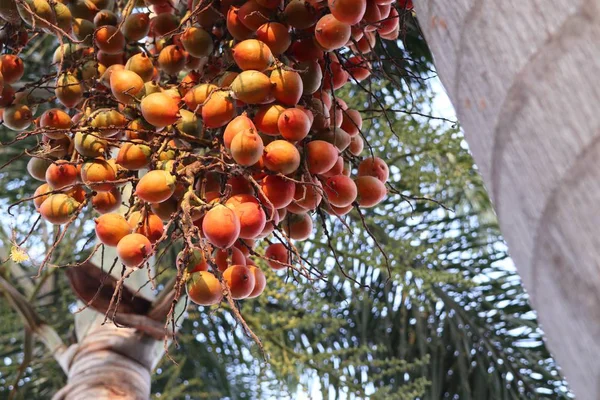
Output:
x=110 y=363
x=524 y=79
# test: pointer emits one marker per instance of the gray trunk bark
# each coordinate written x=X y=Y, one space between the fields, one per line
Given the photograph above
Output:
x=110 y=363
x=523 y=77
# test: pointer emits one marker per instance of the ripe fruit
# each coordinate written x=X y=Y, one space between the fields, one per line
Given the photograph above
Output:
x=66 y=53
x=37 y=168
x=371 y=191
x=237 y=125
x=148 y=224
x=107 y=121
x=98 y=174
x=189 y=81
x=275 y=35
x=63 y=15
x=218 y=109
x=55 y=119
x=160 y=109
x=171 y=60
x=348 y=11
x=270 y=4
x=109 y=60
x=197 y=42
x=87 y=10
x=253 y=15
x=236 y=28
x=351 y=122
x=41 y=194
x=194 y=261
x=247 y=147
x=374 y=166
x=136 y=27
x=300 y=14
x=405 y=4
x=340 y=190
x=358 y=68
x=156 y=186
x=252 y=87
x=252 y=219
x=7 y=95
x=240 y=281
x=60 y=174
x=277 y=191
x=240 y=198
x=106 y=202
x=308 y=195
x=338 y=211
x=109 y=39
x=372 y=16
x=244 y=245
x=58 y=208
x=306 y=49
x=142 y=65
x=239 y=185
x=311 y=75
x=320 y=112
x=41 y=9
x=297 y=226
x=134 y=156
x=77 y=193
x=204 y=288
x=125 y=85
x=221 y=226
x=388 y=25
x=293 y=124
x=321 y=156
x=196 y=96
x=11 y=67
x=267 y=117
x=281 y=156
x=105 y=77
x=336 y=136
x=227 y=257
x=252 y=54
x=90 y=144
x=165 y=209
x=189 y=123
x=134 y=249
x=163 y=95
x=356 y=145
x=111 y=228
x=163 y=23
x=278 y=256
x=260 y=282
x=334 y=76
x=106 y=17
x=330 y=33
x=287 y=86
x=68 y=90
x=17 y=117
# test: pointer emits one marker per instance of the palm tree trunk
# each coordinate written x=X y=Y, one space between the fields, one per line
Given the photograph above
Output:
x=523 y=77
x=110 y=363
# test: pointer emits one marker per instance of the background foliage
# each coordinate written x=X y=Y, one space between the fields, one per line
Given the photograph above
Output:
x=439 y=313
